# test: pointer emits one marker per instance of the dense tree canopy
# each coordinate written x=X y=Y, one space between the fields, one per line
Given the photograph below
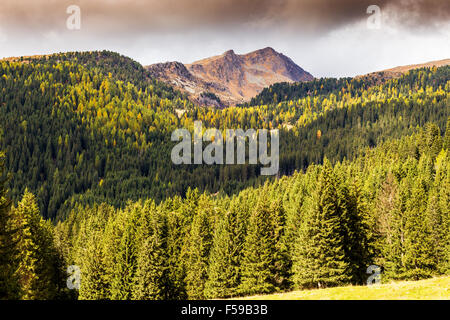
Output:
x=364 y=180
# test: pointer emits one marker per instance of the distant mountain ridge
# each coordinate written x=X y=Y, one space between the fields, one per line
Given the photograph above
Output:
x=398 y=71
x=232 y=78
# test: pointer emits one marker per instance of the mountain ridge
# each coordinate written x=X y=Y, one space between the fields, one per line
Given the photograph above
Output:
x=233 y=78
x=398 y=71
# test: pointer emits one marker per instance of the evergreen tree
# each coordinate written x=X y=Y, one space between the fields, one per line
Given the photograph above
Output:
x=176 y=238
x=38 y=259
x=320 y=259
x=90 y=254
x=197 y=250
x=9 y=288
x=121 y=251
x=446 y=142
x=359 y=240
x=419 y=249
x=391 y=203
x=151 y=280
x=259 y=250
x=438 y=212
x=226 y=254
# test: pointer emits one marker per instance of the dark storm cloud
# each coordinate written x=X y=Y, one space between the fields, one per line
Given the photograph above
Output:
x=160 y=15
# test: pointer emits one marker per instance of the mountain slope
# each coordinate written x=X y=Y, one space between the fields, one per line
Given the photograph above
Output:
x=396 y=72
x=92 y=128
x=231 y=77
x=281 y=91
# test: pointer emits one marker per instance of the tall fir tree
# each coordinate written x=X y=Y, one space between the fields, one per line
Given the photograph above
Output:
x=359 y=240
x=320 y=259
x=259 y=250
x=121 y=251
x=37 y=271
x=90 y=254
x=9 y=287
x=226 y=253
x=152 y=278
x=197 y=249
x=438 y=212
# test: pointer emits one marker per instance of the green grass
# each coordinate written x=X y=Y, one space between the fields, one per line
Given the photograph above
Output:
x=429 y=289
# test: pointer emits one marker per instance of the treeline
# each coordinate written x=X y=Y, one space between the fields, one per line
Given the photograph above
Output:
x=31 y=265
x=322 y=228
x=92 y=127
x=280 y=92
x=285 y=91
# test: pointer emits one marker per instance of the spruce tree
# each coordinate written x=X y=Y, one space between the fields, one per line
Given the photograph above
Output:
x=320 y=259
x=438 y=212
x=90 y=254
x=197 y=249
x=390 y=213
x=259 y=250
x=121 y=251
x=359 y=240
x=419 y=248
x=226 y=254
x=151 y=279
x=446 y=142
x=9 y=288
x=37 y=271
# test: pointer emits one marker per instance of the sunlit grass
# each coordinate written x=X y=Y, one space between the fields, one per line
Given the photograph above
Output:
x=429 y=289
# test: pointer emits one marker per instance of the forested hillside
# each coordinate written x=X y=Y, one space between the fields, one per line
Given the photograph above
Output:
x=94 y=127
x=322 y=228
x=364 y=180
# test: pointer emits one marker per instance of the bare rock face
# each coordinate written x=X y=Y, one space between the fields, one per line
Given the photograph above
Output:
x=231 y=77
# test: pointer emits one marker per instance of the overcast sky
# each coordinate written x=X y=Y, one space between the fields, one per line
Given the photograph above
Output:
x=325 y=37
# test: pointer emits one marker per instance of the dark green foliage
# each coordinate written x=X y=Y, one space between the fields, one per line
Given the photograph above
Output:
x=224 y=272
x=264 y=262
x=198 y=246
x=38 y=270
x=94 y=127
x=9 y=287
x=320 y=259
x=82 y=129
x=152 y=281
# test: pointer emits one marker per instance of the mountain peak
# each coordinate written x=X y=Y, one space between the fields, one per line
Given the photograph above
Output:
x=234 y=78
x=229 y=53
x=267 y=50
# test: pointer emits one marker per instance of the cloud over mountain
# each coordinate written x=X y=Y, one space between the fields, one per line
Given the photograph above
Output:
x=144 y=16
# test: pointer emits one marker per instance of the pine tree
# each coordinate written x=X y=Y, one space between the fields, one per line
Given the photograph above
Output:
x=359 y=240
x=176 y=237
x=320 y=259
x=446 y=142
x=392 y=228
x=438 y=212
x=121 y=252
x=197 y=250
x=282 y=262
x=225 y=257
x=38 y=259
x=9 y=288
x=152 y=280
x=90 y=254
x=418 y=259
x=259 y=250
